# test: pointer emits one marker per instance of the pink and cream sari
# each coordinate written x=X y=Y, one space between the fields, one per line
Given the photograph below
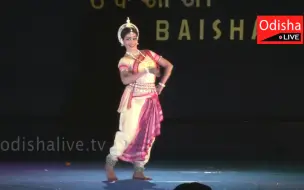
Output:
x=140 y=112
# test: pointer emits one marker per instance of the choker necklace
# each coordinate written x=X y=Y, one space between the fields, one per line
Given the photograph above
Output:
x=132 y=55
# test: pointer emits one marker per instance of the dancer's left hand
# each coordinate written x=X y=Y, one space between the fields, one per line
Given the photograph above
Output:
x=159 y=89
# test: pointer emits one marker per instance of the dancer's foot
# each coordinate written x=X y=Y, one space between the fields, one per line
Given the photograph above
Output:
x=139 y=173
x=111 y=176
x=110 y=163
x=140 y=176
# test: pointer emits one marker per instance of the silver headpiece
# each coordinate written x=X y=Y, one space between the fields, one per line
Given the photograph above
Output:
x=128 y=24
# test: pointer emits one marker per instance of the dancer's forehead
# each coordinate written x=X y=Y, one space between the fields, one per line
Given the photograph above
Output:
x=131 y=35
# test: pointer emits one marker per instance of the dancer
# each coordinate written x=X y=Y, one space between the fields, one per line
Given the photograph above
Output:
x=140 y=110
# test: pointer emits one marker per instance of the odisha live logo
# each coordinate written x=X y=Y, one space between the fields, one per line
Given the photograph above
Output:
x=278 y=25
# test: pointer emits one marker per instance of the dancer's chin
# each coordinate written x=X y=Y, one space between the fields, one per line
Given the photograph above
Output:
x=132 y=47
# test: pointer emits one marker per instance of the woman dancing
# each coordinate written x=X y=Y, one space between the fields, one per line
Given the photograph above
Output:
x=140 y=110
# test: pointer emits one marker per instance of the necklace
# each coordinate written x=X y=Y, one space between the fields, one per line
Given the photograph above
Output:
x=146 y=66
x=141 y=61
x=133 y=56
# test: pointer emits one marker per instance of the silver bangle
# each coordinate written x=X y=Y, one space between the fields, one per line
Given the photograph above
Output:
x=161 y=84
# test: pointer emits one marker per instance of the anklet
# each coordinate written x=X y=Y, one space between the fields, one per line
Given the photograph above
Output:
x=138 y=169
x=110 y=161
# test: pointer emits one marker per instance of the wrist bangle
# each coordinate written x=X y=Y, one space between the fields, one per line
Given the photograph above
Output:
x=161 y=84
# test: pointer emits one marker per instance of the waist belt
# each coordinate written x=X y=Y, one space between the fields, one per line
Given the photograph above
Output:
x=140 y=86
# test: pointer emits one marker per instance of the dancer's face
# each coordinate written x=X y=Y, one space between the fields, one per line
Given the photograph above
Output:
x=131 y=41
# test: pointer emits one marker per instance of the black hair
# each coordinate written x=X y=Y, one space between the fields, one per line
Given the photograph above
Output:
x=192 y=186
x=126 y=31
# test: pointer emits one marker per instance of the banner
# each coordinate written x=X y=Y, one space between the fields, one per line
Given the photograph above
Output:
x=190 y=29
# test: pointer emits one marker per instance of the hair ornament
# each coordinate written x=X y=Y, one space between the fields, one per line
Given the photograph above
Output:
x=128 y=24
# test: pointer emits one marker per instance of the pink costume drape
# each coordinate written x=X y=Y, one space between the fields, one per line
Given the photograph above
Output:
x=140 y=112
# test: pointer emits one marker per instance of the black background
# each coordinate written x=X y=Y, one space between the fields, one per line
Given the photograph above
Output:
x=226 y=99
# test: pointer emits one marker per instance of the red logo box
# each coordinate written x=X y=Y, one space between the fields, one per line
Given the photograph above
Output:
x=280 y=29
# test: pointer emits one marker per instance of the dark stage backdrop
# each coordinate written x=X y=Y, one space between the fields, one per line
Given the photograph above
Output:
x=60 y=73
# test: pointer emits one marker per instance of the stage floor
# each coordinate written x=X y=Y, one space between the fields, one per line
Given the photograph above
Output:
x=220 y=176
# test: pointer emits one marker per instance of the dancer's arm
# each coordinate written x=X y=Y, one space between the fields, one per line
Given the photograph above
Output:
x=167 y=65
x=128 y=77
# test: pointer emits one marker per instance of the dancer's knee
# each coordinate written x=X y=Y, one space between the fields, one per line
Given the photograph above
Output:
x=121 y=142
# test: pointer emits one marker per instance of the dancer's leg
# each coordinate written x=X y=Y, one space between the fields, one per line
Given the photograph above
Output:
x=139 y=166
x=128 y=124
x=110 y=163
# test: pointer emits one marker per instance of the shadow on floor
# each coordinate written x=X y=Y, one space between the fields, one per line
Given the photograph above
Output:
x=131 y=184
